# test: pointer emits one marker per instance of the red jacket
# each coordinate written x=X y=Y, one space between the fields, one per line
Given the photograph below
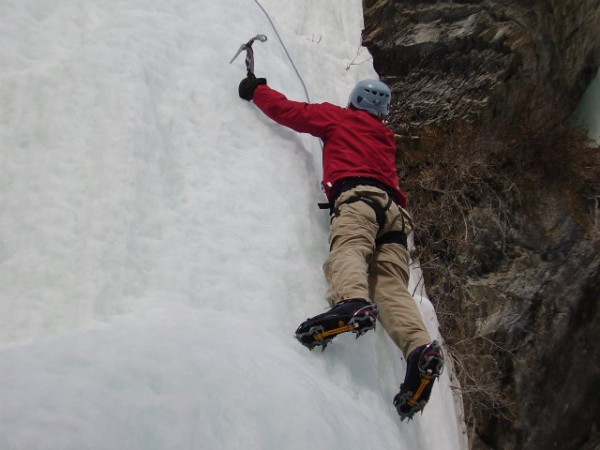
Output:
x=356 y=143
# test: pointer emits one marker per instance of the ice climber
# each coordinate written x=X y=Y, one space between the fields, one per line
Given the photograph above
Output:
x=368 y=263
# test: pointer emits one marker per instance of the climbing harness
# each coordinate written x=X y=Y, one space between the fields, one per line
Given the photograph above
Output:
x=377 y=208
x=391 y=237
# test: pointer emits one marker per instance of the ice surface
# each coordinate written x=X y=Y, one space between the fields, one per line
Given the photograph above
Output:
x=588 y=112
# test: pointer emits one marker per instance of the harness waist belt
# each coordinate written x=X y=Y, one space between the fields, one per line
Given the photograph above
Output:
x=350 y=183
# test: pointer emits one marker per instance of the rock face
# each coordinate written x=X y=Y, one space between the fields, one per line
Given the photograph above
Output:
x=505 y=195
x=458 y=60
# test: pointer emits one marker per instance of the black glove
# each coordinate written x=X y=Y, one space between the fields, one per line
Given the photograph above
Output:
x=248 y=85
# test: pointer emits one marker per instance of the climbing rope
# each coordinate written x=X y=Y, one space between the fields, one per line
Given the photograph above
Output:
x=318 y=185
x=284 y=49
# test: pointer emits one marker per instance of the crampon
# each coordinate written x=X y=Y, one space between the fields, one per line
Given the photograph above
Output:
x=424 y=365
x=354 y=316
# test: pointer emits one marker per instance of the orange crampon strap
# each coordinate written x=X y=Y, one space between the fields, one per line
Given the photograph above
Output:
x=417 y=395
x=341 y=329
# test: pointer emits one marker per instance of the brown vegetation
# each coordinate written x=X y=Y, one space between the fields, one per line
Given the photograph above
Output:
x=469 y=195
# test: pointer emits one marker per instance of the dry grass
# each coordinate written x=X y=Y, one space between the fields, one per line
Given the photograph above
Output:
x=465 y=187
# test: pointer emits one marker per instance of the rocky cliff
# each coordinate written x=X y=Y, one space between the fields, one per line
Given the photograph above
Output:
x=505 y=193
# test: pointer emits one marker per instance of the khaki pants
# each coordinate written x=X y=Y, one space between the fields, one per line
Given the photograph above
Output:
x=356 y=268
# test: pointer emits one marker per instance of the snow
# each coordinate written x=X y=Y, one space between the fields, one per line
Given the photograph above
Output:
x=160 y=240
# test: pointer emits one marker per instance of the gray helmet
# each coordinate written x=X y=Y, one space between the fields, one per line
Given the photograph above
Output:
x=373 y=96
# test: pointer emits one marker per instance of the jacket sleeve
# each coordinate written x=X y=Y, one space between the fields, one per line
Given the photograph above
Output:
x=313 y=118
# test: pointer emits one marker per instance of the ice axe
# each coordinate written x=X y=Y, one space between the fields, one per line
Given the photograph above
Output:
x=249 y=52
